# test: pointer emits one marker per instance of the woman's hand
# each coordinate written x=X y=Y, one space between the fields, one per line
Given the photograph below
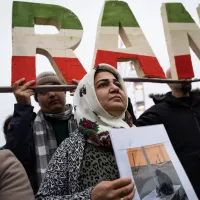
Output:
x=122 y=188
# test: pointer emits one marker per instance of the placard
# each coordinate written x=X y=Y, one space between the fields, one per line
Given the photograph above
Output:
x=146 y=155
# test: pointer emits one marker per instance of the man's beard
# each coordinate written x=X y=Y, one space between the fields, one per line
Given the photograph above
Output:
x=186 y=87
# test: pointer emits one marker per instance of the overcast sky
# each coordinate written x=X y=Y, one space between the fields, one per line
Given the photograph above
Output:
x=147 y=13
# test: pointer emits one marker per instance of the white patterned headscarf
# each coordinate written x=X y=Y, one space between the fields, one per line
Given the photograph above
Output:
x=93 y=121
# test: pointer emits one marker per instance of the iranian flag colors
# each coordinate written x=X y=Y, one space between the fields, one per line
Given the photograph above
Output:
x=181 y=32
x=58 y=48
x=117 y=18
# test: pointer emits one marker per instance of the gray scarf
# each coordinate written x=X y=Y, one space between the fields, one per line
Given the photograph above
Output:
x=45 y=140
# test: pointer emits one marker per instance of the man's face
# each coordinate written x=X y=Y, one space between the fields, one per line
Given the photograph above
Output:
x=52 y=101
x=178 y=87
x=181 y=87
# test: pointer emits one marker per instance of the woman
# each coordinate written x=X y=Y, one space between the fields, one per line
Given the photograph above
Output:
x=84 y=166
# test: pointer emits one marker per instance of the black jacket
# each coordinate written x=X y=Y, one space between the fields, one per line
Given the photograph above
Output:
x=181 y=118
x=21 y=142
x=130 y=110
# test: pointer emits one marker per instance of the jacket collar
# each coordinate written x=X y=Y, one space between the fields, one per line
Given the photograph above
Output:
x=173 y=100
x=168 y=97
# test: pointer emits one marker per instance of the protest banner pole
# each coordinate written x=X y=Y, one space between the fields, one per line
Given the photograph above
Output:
x=159 y=80
x=45 y=88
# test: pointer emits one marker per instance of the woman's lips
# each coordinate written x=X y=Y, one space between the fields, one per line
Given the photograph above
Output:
x=116 y=97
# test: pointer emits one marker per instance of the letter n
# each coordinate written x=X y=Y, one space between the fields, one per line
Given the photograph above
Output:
x=181 y=32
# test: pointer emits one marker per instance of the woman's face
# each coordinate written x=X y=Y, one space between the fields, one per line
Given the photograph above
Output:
x=109 y=93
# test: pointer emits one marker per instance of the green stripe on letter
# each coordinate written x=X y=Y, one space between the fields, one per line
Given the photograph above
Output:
x=176 y=13
x=24 y=13
x=118 y=12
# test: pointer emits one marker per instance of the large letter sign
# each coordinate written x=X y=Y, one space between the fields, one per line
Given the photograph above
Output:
x=181 y=32
x=118 y=19
x=58 y=48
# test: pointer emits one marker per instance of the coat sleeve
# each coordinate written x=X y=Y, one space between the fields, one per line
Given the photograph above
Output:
x=149 y=117
x=14 y=183
x=19 y=138
x=56 y=180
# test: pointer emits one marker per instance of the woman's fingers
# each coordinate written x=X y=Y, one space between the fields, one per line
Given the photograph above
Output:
x=125 y=191
x=121 y=182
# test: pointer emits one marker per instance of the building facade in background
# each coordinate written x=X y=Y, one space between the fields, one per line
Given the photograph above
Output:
x=135 y=89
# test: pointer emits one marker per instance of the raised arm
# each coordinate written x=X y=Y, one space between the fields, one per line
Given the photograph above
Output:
x=19 y=138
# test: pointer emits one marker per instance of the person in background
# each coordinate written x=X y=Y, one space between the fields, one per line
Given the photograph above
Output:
x=131 y=111
x=33 y=138
x=84 y=165
x=179 y=112
x=6 y=127
x=14 y=183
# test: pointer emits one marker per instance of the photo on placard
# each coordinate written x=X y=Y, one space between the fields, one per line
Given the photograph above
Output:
x=154 y=174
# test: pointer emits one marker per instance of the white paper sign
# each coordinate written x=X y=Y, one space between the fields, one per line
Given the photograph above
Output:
x=146 y=155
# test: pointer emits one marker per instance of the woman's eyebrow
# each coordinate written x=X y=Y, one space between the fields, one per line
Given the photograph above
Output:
x=106 y=80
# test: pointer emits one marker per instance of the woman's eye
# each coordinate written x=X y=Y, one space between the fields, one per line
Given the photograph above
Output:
x=118 y=84
x=103 y=85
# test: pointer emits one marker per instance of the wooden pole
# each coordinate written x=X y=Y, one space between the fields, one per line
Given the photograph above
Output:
x=45 y=88
x=159 y=80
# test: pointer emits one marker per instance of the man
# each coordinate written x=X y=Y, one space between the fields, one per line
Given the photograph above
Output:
x=179 y=111
x=34 y=138
x=6 y=126
x=14 y=183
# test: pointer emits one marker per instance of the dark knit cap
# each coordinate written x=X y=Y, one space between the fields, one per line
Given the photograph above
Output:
x=46 y=77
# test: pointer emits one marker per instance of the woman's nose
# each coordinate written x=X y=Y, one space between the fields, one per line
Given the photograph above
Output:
x=114 y=88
